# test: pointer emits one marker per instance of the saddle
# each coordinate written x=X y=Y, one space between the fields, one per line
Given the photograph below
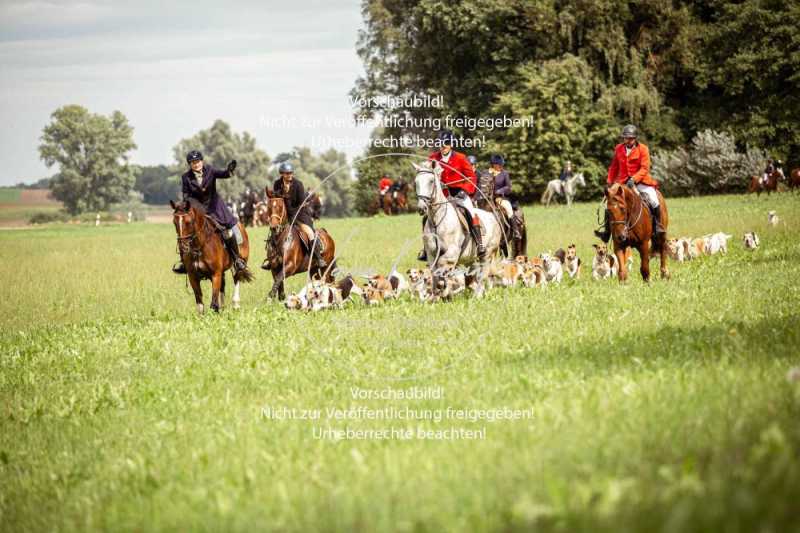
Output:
x=306 y=242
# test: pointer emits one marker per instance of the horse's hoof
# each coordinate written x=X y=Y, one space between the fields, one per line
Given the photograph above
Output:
x=200 y=308
x=236 y=305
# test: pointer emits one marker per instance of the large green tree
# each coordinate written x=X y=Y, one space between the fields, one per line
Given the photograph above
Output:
x=91 y=151
x=219 y=144
x=158 y=184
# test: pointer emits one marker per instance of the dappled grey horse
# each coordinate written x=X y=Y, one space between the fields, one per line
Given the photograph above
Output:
x=446 y=241
x=568 y=189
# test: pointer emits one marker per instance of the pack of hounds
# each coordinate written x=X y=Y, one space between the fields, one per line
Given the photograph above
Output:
x=426 y=285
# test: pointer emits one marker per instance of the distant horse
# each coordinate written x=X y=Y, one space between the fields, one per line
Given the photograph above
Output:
x=204 y=255
x=400 y=199
x=287 y=254
x=260 y=217
x=315 y=205
x=632 y=227
x=794 y=179
x=757 y=186
x=447 y=242
x=568 y=189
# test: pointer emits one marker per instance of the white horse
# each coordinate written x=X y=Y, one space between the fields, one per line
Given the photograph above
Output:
x=446 y=241
x=568 y=190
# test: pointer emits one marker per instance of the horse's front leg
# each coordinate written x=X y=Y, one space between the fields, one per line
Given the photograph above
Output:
x=194 y=281
x=644 y=255
x=236 y=298
x=622 y=263
x=277 y=283
x=216 y=285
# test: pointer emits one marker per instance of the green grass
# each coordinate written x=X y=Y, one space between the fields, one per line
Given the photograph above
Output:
x=661 y=407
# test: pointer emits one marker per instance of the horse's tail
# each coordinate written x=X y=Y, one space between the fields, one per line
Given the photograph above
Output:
x=545 y=195
x=244 y=276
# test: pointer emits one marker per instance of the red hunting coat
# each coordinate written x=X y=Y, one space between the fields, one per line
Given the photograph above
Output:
x=455 y=171
x=636 y=165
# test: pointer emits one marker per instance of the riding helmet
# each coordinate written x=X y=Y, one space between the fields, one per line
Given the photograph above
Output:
x=194 y=155
x=629 y=131
x=447 y=137
x=285 y=167
x=497 y=159
x=472 y=160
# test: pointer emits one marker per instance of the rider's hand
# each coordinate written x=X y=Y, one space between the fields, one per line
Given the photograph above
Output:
x=630 y=183
x=232 y=166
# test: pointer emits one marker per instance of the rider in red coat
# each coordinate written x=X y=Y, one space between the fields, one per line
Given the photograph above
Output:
x=383 y=187
x=459 y=182
x=631 y=166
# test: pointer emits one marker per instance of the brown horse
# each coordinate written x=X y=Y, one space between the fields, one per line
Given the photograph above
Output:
x=632 y=227
x=771 y=185
x=286 y=253
x=794 y=179
x=204 y=255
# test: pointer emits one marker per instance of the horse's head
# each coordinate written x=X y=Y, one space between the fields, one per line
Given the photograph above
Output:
x=184 y=218
x=579 y=179
x=276 y=210
x=424 y=185
x=619 y=199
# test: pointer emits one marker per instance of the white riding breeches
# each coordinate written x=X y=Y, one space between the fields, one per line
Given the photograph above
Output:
x=463 y=200
x=505 y=205
x=649 y=193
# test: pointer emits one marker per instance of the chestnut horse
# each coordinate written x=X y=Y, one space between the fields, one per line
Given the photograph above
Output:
x=632 y=227
x=204 y=255
x=286 y=254
x=771 y=185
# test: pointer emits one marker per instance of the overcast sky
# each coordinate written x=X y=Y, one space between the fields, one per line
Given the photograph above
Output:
x=173 y=67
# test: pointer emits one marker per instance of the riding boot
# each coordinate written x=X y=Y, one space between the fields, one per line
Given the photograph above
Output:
x=316 y=249
x=657 y=227
x=423 y=255
x=605 y=234
x=475 y=230
x=233 y=249
x=179 y=268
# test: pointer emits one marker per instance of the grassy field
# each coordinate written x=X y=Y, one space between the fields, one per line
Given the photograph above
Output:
x=660 y=407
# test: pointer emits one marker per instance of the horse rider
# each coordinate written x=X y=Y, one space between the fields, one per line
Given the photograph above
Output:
x=767 y=172
x=396 y=187
x=293 y=193
x=459 y=181
x=383 y=187
x=502 y=184
x=565 y=175
x=200 y=183
x=631 y=166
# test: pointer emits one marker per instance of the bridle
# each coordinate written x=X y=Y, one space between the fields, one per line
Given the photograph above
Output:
x=184 y=240
x=628 y=226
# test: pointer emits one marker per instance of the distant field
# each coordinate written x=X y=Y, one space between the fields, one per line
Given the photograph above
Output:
x=661 y=407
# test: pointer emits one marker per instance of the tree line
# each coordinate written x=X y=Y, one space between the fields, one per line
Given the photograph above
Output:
x=91 y=152
x=693 y=75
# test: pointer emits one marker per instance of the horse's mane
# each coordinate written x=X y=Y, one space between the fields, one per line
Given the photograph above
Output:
x=195 y=204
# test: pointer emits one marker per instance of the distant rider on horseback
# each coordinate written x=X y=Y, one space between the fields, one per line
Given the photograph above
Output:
x=383 y=187
x=631 y=166
x=459 y=181
x=200 y=183
x=565 y=175
x=293 y=193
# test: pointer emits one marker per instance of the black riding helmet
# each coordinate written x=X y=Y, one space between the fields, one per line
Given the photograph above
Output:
x=629 y=131
x=194 y=155
x=447 y=137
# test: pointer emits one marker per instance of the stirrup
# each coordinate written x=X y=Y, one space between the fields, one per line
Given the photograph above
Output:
x=423 y=255
x=179 y=268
